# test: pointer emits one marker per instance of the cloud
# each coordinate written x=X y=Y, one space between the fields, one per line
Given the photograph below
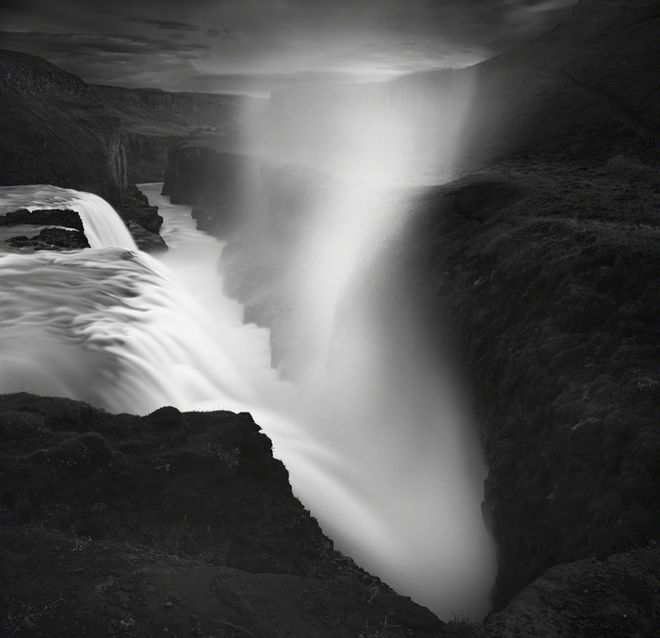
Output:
x=171 y=25
x=261 y=84
x=226 y=33
x=77 y=43
x=182 y=44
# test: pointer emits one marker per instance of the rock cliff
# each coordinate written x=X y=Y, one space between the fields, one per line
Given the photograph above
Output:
x=177 y=524
x=545 y=279
x=57 y=129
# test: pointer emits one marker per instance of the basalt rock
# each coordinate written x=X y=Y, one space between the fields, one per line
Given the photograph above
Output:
x=51 y=239
x=43 y=217
x=171 y=523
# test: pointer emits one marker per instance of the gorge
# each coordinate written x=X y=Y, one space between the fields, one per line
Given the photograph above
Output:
x=429 y=293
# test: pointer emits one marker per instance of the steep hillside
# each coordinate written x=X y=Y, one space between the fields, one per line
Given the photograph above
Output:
x=55 y=128
x=545 y=280
x=52 y=131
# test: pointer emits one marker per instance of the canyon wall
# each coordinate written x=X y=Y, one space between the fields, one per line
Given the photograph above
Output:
x=540 y=266
x=57 y=129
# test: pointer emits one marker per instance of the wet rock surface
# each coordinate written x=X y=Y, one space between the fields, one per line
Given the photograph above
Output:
x=51 y=239
x=141 y=219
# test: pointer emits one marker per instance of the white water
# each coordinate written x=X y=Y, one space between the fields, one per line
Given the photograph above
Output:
x=383 y=463
x=101 y=228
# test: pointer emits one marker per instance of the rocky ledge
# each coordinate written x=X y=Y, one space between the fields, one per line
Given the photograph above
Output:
x=58 y=229
x=141 y=219
x=169 y=524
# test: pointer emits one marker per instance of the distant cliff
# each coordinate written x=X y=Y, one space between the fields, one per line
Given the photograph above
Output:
x=56 y=128
x=586 y=89
x=53 y=131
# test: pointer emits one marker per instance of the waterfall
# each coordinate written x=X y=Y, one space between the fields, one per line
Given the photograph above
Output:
x=101 y=224
x=107 y=324
x=375 y=450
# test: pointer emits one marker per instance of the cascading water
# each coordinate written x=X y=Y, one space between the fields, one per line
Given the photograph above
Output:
x=376 y=453
x=103 y=227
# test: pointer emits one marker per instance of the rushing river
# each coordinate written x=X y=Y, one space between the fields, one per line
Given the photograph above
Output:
x=384 y=465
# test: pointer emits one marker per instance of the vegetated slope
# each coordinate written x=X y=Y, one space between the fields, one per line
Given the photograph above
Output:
x=546 y=278
x=52 y=131
x=56 y=128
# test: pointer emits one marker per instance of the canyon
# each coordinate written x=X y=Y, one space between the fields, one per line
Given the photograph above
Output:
x=532 y=267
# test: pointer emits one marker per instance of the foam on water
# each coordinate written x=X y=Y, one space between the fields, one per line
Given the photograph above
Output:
x=388 y=479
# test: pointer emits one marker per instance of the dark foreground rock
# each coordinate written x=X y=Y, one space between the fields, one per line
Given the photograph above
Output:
x=177 y=524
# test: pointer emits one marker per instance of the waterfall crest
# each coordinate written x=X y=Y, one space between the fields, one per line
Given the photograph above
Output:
x=101 y=224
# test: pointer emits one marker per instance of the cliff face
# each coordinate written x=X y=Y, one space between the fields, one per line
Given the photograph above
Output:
x=155 y=121
x=57 y=129
x=172 y=523
x=51 y=131
x=546 y=279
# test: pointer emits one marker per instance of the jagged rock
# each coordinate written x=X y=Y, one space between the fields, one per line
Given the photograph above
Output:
x=118 y=513
x=51 y=239
x=144 y=239
x=43 y=217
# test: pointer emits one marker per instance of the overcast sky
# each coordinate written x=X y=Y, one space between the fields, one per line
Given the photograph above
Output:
x=256 y=45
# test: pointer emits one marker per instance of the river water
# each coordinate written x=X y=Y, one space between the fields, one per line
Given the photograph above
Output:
x=380 y=460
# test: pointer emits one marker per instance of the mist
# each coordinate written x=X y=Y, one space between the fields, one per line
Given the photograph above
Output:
x=339 y=169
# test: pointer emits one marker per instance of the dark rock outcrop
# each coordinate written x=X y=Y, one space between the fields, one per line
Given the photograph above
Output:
x=141 y=219
x=43 y=217
x=53 y=132
x=177 y=521
x=61 y=229
x=51 y=239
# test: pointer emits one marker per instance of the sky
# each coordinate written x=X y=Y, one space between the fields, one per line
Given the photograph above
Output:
x=254 y=46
